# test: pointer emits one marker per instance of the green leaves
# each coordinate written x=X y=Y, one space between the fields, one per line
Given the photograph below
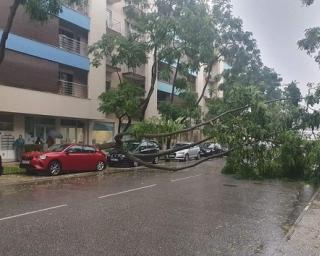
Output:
x=124 y=100
x=42 y=10
x=311 y=43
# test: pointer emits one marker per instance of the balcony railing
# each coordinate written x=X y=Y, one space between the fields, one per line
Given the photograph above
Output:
x=81 y=8
x=113 y=24
x=73 y=45
x=72 y=89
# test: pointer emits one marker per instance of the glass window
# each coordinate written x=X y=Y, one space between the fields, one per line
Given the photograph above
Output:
x=102 y=133
x=72 y=131
x=38 y=127
x=88 y=149
x=75 y=149
x=6 y=122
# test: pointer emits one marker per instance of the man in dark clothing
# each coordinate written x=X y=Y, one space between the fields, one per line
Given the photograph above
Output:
x=1 y=167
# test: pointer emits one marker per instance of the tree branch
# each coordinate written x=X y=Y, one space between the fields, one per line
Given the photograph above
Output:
x=154 y=71
x=206 y=84
x=174 y=81
x=153 y=166
x=7 y=28
x=166 y=152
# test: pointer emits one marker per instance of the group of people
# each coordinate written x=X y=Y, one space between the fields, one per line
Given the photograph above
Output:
x=19 y=144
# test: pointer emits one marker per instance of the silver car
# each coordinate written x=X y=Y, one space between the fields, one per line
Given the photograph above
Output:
x=185 y=154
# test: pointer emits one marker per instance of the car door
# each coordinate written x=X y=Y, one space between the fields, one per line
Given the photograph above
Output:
x=143 y=149
x=192 y=152
x=90 y=157
x=75 y=159
x=153 y=149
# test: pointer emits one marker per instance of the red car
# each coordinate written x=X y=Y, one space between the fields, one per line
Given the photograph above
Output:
x=64 y=158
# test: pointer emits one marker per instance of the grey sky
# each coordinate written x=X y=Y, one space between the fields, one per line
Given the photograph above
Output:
x=277 y=25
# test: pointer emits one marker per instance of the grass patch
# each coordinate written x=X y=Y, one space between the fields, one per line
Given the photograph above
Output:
x=13 y=170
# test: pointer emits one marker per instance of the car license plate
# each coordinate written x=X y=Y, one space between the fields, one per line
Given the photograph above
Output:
x=25 y=162
x=114 y=160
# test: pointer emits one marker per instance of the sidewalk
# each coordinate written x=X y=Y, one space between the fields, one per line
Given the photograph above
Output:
x=304 y=238
x=20 y=179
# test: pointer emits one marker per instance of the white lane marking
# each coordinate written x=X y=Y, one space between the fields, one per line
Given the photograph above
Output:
x=28 y=213
x=127 y=191
x=189 y=177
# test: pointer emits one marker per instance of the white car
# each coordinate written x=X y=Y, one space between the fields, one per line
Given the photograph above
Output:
x=185 y=154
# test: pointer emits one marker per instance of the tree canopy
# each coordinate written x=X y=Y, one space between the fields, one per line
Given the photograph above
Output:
x=38 y=10
x=311 y=42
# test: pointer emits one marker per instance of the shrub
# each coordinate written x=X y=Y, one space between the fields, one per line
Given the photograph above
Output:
x=33 y=147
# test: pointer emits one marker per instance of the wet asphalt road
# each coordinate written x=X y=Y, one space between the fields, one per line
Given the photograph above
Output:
x=194 y=212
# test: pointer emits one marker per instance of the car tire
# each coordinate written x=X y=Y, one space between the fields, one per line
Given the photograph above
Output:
x=198 y=156
x=186 y=158
x=156 y=160
x=54 y=168
x=100 y=166
x=134 y=164
x=29 y=171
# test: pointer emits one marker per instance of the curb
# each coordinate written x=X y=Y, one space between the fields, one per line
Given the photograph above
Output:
x=298 y=220
x=295 y=224
x=45 y=179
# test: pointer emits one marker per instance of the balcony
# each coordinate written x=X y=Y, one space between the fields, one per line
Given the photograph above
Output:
x=72 y=45
x=81 y=8
x=113 y=25
x=136 y=75
x=72 y=89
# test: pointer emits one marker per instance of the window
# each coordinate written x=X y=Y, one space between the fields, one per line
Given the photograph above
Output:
x=38 y=127
x=102 y=132
x=66 y=83
x=72 y=131
x=75 y=149
x=6 y=122
x=88 y=149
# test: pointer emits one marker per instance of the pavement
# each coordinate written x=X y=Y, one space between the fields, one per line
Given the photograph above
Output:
x=198 y=211
x=304 y=237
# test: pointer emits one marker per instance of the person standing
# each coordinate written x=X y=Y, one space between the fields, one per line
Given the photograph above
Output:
x=19 y=146
x=1 y=167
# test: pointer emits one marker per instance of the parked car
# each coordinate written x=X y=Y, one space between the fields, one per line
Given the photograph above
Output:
x=205 y=150
x=64 y=158
x=185 y=154
x=216 y=148
x=135 y=147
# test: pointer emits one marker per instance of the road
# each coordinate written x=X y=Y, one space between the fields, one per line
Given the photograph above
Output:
x=193 y=212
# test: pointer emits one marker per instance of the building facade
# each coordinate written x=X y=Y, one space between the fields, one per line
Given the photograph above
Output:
x=46 y=81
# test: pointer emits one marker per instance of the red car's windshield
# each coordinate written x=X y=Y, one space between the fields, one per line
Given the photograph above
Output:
x=58 y=147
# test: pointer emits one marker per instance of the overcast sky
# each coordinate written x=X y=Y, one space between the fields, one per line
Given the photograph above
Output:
x=277 y=25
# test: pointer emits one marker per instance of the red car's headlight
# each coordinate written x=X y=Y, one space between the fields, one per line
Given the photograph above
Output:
x=42 y=157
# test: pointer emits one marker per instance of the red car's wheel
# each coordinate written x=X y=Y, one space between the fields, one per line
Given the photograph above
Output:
x=100 y=166
x=54 y=168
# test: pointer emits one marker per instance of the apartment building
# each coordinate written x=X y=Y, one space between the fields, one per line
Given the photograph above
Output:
x=47 y=84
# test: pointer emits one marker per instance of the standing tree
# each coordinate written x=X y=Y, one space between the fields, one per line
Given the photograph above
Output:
x=38 y=10
x=311 y=42
x=124 y=102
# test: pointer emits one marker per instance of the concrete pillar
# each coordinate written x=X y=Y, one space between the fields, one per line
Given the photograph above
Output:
x=97 y=76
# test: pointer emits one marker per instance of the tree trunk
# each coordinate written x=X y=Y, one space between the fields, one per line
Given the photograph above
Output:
x=128 y=124
x=206 y=84
x=154 y=71
x=174 y=81
x=7 y=28
x=120 y=122
x=168 y=143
